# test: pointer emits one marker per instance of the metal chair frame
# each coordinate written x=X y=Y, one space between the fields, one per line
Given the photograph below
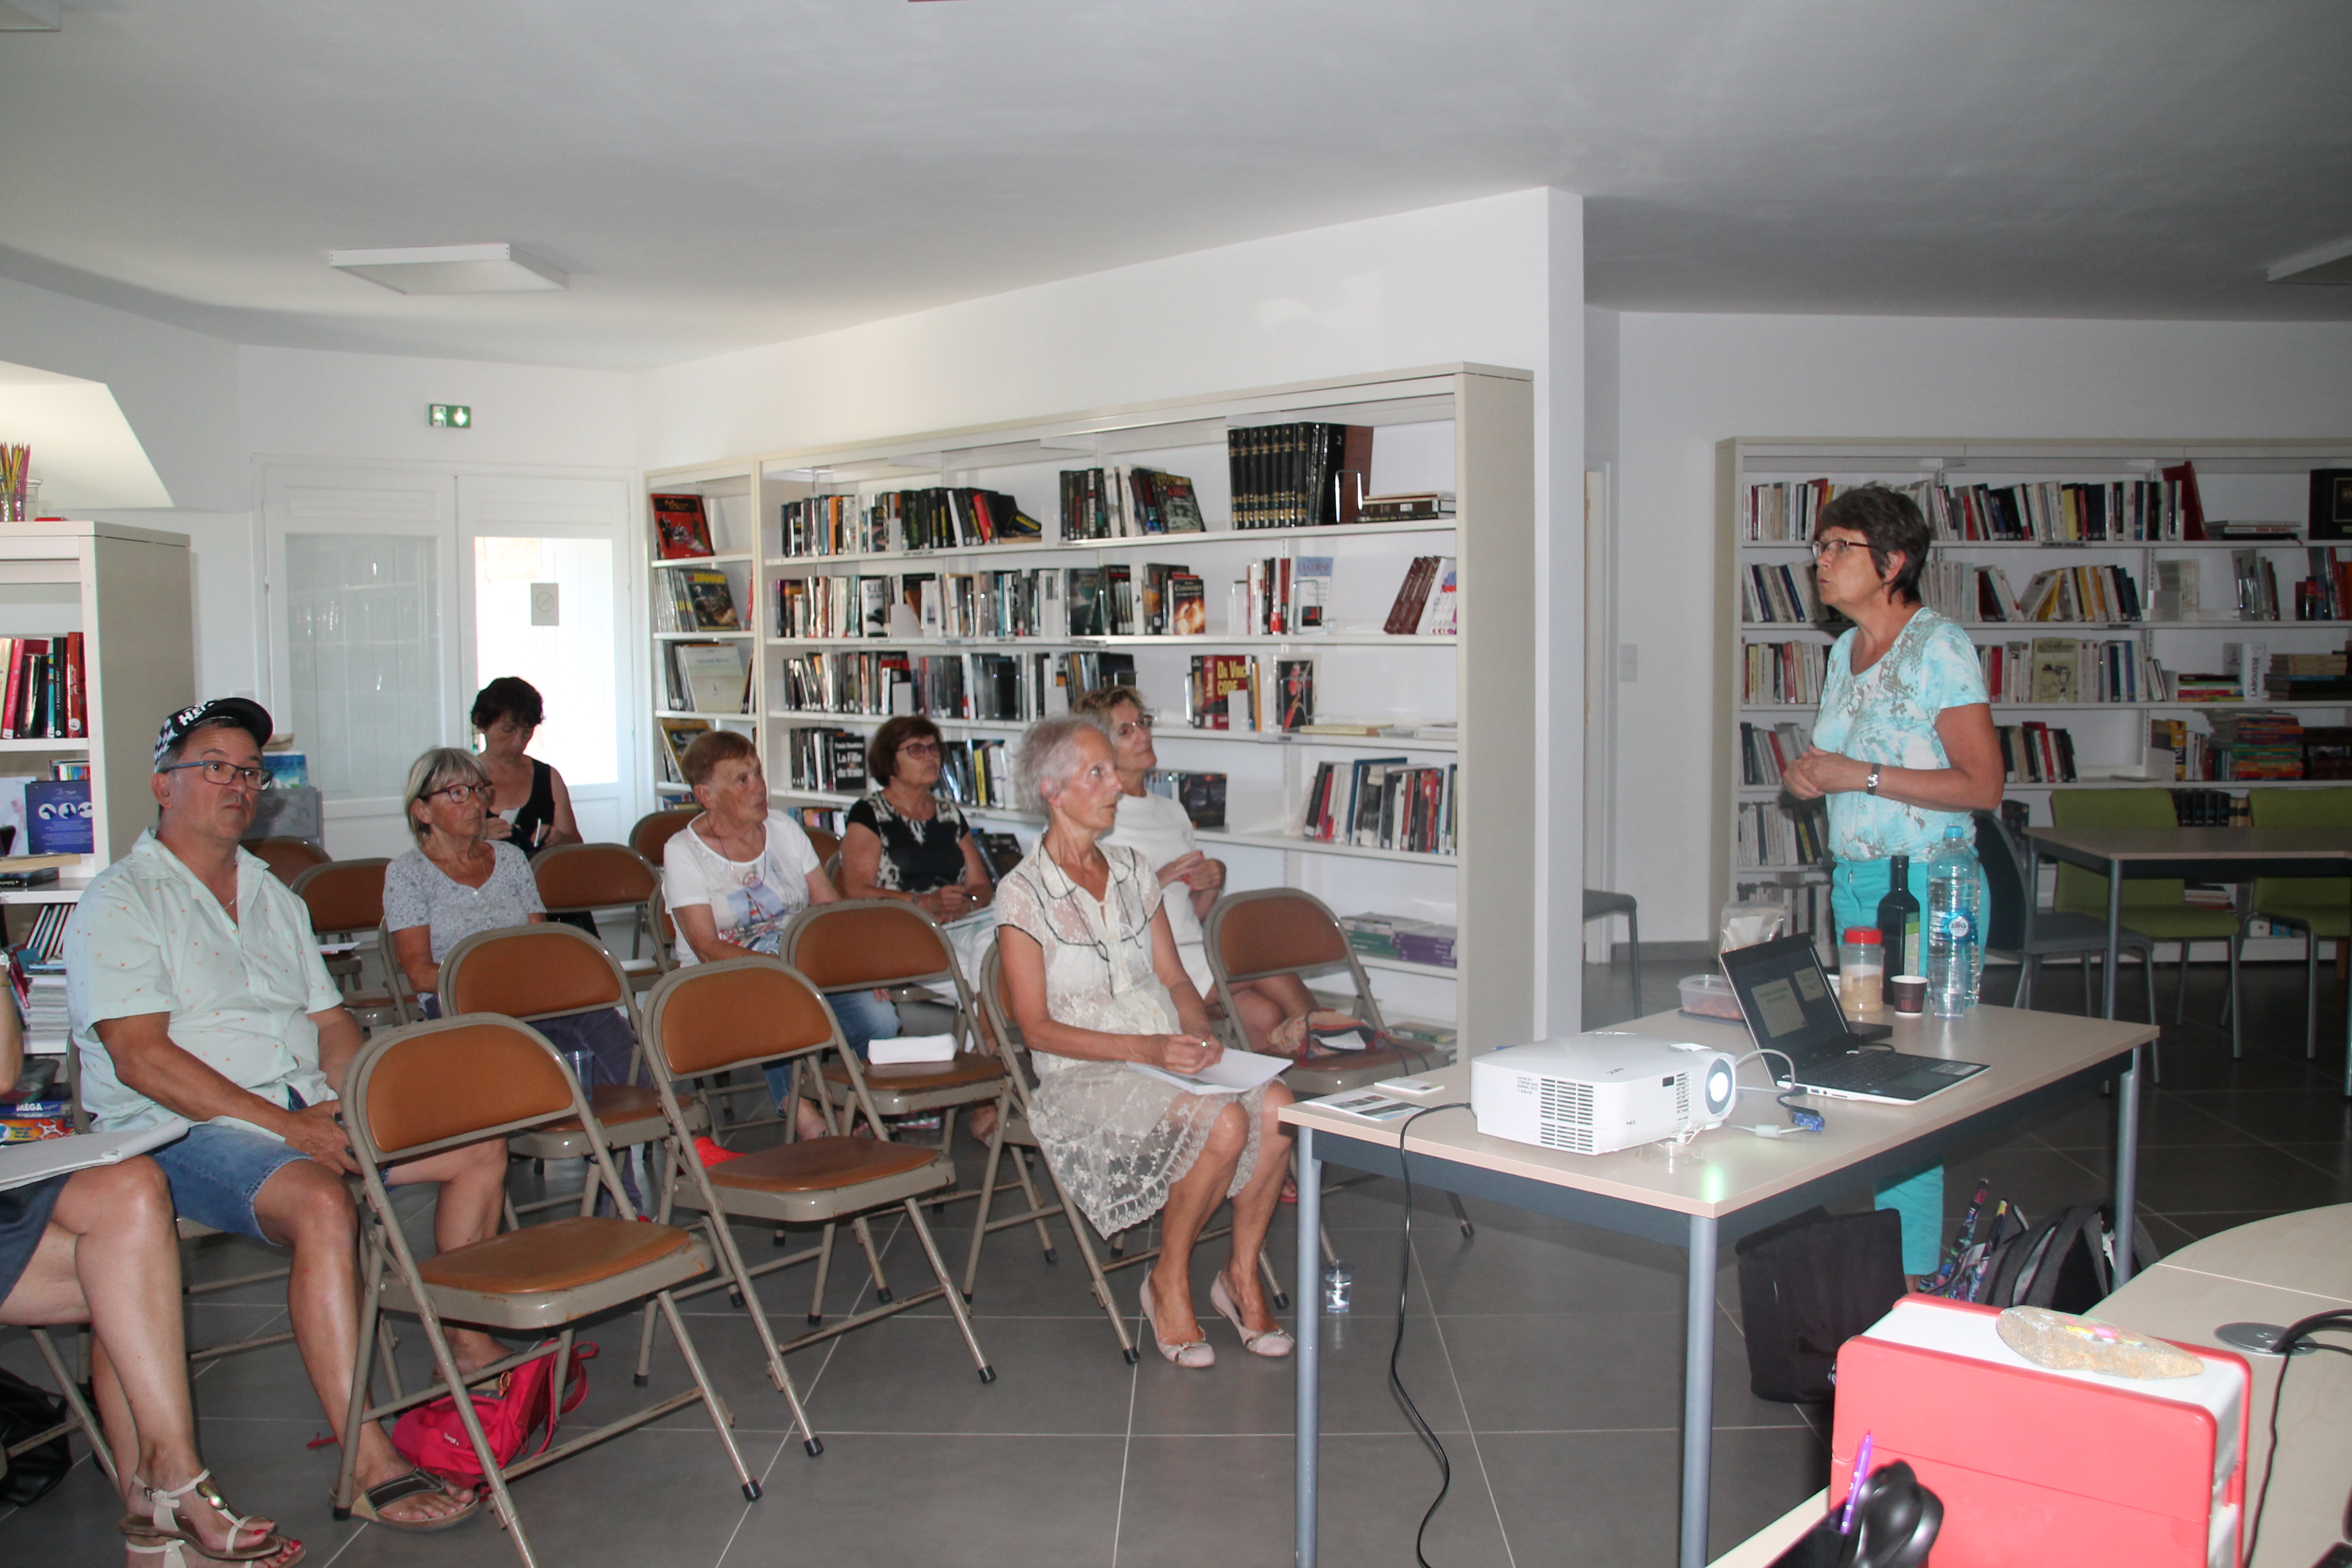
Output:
x=813 y=1198
x=77 y=1417
x=338 y=910
x=519 y=1082
x=1600 y=906
x=559 y=873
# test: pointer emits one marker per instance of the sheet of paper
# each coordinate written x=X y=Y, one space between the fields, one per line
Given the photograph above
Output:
x=21 y=1164
x=1367 y=1104
x=1235 y=1072
x=935 y=1048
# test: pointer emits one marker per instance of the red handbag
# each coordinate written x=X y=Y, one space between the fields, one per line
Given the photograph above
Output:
x=431 y=1436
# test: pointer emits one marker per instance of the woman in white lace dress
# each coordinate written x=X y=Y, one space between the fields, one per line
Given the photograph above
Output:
x=1094 y=985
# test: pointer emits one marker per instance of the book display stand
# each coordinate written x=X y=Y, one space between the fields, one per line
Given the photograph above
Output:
x=985 y=576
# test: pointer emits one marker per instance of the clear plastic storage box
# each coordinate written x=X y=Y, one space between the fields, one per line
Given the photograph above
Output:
x=1709 y=996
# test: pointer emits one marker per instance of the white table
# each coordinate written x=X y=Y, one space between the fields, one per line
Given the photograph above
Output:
x=1741 y=1184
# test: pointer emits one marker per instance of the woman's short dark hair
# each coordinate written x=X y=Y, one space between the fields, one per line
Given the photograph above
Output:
x=882 y=751
x=1889 y=521
x=508 y=697
x=712 y=748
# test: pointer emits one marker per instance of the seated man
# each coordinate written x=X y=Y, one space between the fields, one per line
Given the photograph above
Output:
x=198 y=997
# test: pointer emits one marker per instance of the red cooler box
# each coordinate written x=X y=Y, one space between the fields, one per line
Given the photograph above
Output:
x=2035 y=1465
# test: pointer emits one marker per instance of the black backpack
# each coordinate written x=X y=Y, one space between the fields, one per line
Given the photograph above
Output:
x=2063 y=1263
x=1807 y=1286
x=24 y=1410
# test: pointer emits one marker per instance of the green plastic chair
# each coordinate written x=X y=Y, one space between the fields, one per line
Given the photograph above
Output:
x=2157 y=906
x=2316 y=906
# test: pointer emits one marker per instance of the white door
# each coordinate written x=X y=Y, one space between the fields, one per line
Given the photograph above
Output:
x=396 y=591
x=363 y=593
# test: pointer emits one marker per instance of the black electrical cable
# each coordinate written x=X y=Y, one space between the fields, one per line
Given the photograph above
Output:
x=1405 y=1288
x=2285 y=1349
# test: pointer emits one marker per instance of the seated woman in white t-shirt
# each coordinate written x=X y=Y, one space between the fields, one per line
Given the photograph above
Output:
x=1273 y=1012
x=735 y=877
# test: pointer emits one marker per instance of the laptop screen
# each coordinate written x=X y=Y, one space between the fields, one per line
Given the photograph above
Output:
x=1787 y=998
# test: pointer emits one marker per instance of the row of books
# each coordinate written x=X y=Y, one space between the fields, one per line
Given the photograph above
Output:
x=1400 y=937
x=825 y=758
x=694 y=599
x=708 y=677
x=1005 y=688
x=2036 y=752
x=1202 y=795
x=1767 y=749
x=2071 y=669
x=1774 y=833
x=1383 y=802
x=1152 y=599
x=47 y=694
x=2051 y=512
x=1283 y=596
x=1782 y=672
x=1977 y=594
x=942 y=517
x=1774 y=595
x=1124 y=501
x=1298 y=475
x=1427 y=600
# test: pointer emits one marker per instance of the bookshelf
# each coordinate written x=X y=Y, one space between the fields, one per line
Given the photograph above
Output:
x=1465 y=429
x=2239 y=481
x=126 y=591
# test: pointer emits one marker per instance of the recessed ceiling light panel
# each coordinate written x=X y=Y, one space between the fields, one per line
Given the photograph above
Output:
x=452 y=269
x=2328 y=264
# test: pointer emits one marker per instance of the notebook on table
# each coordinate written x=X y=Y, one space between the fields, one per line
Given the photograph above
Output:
x=1791 y=1006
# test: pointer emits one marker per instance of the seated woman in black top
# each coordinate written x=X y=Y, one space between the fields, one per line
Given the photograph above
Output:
x=531 y=810
x=905 y=842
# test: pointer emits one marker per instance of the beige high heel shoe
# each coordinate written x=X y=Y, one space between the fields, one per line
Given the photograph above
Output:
x=1273 y=1343
x=1193 y=1356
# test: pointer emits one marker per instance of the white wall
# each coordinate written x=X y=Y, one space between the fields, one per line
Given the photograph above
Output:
x=309 y=404
x=1498 y=280
x=1689 y=381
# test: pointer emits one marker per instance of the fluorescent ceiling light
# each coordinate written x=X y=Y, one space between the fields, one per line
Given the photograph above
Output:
x=29 y=16
x=2328 y=264
x=449 y=269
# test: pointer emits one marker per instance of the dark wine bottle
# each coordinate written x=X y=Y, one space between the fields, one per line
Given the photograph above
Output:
x=1898 y=922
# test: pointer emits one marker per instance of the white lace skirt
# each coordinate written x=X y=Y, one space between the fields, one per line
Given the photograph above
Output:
x=1117 y=1140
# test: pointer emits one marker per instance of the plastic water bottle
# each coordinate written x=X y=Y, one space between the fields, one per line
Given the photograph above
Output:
x=1955 y=925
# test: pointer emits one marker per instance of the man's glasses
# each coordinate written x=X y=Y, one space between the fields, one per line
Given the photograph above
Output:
x=1830 y=549
x=458 y=795
x=220 y=772
x=919 y=749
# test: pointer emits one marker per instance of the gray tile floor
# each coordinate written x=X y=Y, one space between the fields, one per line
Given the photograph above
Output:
x=1546 y=1355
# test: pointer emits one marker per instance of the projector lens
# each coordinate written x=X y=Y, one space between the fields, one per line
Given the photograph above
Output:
x=1718 y=1088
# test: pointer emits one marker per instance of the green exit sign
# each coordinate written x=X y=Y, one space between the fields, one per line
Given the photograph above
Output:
x=449 y=415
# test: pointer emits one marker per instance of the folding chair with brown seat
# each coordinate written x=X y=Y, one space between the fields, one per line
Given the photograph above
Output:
x=1283 y=931
x=345 y=899
x=591 y=878
x=826 y=844
x=287 y=858
x=417 y=1090
x=77 y=1418
x=655 y=829
x=882 y=943
x=1018 y=1138
x=749 y=1012
x=535 y=972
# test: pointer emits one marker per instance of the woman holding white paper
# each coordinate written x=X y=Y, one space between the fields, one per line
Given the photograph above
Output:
x=98 y=1246
x=1096 y=986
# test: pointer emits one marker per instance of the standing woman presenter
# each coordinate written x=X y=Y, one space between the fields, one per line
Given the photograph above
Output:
x=1904 y=746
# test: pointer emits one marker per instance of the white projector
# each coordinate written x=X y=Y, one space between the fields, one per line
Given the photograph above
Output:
x=1595 y=1094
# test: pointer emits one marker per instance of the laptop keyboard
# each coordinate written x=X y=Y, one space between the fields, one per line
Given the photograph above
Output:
x=1860 y=1072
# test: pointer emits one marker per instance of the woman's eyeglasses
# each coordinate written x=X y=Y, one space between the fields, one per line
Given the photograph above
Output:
x=458 y=795
x=1830 y=549
x=919 y=749
x=1132 y=726
x=220 y=772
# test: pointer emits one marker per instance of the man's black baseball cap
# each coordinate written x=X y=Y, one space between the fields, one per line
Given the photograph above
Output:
x=242 y=712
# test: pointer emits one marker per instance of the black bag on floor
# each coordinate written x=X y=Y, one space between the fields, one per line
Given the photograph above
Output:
x=24 y=1410
x=1807 y=1286
x=2062 y=1263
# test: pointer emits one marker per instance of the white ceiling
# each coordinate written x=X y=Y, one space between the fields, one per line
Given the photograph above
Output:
x=718 y=173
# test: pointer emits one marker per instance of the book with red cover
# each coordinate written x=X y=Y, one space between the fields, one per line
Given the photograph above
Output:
x=682 y=526
x=2192 y=506
x=77 y=687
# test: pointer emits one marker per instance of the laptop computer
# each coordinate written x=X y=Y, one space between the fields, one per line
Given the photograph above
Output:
x=1791 y=1005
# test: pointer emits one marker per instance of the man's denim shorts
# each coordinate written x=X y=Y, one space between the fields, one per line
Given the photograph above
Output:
x=216 y=1172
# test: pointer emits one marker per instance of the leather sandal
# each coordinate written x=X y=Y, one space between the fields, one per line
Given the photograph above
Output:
x=1273 y=1343
x=1193 y=1356
x=164 y=1532
x=370 y=1504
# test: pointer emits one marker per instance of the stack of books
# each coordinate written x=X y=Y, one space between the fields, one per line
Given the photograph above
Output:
x=1425 y=941
x=2258 y=744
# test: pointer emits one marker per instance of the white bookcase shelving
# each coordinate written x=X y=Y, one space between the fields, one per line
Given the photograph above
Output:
x=2239 y=481
x=1466 y=429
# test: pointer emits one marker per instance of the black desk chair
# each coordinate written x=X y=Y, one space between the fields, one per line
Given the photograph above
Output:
x=2016 y=927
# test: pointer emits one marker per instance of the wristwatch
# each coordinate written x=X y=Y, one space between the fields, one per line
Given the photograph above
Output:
x=1872 y=787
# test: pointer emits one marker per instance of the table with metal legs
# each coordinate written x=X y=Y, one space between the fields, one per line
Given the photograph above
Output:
x=1738 y=1184
x=2197 y=854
